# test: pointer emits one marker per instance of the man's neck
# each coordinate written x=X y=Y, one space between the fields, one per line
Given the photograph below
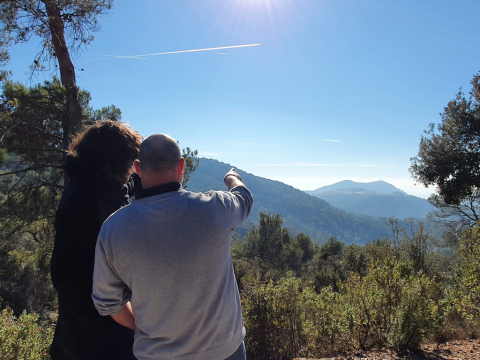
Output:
x=149 y=185
x=149 y=181
x=157 y=190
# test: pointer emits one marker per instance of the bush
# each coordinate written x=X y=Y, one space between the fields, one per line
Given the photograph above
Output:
x=468 y=273
x=326 y=323
x=23 y=338
x=392 y=306
x=273 y=316
x=461 y=302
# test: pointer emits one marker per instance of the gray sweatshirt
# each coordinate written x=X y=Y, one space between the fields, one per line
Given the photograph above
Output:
x=169 y=255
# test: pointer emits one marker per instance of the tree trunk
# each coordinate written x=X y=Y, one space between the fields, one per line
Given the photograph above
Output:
x=73 y=114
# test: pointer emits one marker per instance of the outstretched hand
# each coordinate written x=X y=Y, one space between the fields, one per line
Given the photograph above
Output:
x=232 y=179
x=232 y=172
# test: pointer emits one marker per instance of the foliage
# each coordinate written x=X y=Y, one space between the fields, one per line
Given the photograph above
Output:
x=326 y=323
x=355 y=260
x=454 y=219
x=191 y=163
x=272 y=317
x=392 y=306
x=62 y=26
x=106 y=113
x=331 y=248
x=23 y=338
x=463 y=215
x=24 y=266
x=468 y=275
x=395 y=293
x=460 y=301
x=385 y=294
x=32 y=121
x=450 y=158
x=415 y=246
x=26 y=19
x=285 y=319
x=306 y=245
x=274 y=246
x=327 y=265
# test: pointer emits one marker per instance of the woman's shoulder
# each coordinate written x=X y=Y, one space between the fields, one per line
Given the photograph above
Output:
x=78 y=197
x=76 y=202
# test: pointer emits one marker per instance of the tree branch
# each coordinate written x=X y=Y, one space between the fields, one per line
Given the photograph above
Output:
x=4 y=132
x=30 y=168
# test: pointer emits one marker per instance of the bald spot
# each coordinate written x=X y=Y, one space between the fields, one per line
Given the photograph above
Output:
x=159 y=152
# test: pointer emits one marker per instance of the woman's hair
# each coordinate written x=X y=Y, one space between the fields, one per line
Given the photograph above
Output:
x=108 y=148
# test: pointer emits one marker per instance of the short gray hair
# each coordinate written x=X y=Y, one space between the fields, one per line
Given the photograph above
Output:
x=159 y=152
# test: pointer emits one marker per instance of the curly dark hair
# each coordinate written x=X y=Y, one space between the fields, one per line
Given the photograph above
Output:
x=108 y=148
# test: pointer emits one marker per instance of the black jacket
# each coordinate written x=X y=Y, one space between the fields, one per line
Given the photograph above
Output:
x=81 y=333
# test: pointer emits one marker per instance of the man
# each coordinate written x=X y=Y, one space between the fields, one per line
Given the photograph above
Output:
x=168 y=255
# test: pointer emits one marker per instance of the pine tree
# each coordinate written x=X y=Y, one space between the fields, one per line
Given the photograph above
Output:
x=63 y=27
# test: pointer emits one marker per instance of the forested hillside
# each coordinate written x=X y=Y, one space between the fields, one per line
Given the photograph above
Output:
x=301 y=212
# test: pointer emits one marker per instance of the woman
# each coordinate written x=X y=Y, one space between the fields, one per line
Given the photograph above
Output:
x=99 y=165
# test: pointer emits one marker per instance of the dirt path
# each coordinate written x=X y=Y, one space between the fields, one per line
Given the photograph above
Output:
x=453 y=350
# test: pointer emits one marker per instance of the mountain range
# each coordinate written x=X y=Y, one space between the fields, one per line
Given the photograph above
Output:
x=301 y=212
x=378 y=198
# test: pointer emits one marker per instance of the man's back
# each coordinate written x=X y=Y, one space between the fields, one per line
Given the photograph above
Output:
x=172 y=251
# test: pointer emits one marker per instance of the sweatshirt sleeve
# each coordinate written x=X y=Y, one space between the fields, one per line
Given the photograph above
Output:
x=110 y=293
x=239 y=202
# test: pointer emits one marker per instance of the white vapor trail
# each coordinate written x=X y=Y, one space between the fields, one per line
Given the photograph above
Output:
x=123 y=57
x=322 y=165
x=144 y=57
x=207 y=49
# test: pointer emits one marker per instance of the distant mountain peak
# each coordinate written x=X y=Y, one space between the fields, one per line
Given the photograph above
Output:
x=379 y=186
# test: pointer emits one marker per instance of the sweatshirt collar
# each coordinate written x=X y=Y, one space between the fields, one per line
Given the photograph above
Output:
x=156 y=190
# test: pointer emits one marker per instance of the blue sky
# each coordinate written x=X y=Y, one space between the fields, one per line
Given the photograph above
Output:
x=337 y=89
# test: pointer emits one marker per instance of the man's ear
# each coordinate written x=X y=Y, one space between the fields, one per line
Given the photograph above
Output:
x=136 y=164
x=181 y=166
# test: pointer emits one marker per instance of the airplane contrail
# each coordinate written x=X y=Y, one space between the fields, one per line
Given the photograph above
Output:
x=208 y=49
x=122 y=57
x=144 y=57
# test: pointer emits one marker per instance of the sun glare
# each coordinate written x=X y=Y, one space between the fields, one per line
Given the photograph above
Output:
x=254 y=17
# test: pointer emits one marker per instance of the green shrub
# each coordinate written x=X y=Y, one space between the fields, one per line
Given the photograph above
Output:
x=392 y=306
x=285 y=319
x=273 y=317
x=417 y=314
x=325 y=323
x=460 y=303
x=468 y=275
x=23 y=338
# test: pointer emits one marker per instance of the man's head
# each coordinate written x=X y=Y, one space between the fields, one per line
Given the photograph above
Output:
x=160 y=161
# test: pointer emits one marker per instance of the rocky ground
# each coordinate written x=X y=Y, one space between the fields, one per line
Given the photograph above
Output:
x=453 y=350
